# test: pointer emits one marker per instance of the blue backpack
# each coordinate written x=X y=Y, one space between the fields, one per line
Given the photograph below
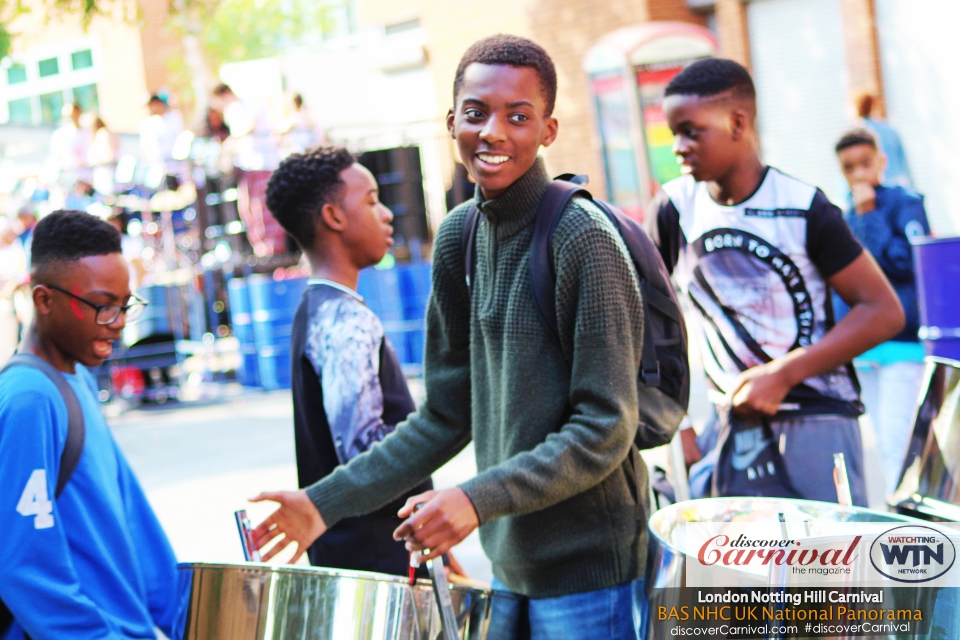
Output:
x=663 y=382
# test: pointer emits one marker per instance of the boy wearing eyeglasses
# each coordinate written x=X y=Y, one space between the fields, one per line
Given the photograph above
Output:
x=92 y=562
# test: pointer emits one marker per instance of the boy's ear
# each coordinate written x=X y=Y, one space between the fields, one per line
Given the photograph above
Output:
x=41 y=300
x=333 y=217
x=739 y=122
x=550 y=127
x=450 y=122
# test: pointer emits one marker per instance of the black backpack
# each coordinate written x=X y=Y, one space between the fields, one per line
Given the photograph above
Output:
x=663 y=382
x=72 y=449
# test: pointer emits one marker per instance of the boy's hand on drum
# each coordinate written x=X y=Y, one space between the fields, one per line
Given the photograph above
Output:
x=297 y=520
x=442 y=521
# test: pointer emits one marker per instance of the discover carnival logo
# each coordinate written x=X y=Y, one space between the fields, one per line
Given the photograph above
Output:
x=744 y=551
x=912 y=553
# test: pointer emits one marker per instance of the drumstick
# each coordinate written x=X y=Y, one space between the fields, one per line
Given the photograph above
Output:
x=414 y=564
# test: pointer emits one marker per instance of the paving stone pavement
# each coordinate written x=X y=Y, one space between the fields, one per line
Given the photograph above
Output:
x=199 y=464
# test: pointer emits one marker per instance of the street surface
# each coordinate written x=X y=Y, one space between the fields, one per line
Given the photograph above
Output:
x=200 y=464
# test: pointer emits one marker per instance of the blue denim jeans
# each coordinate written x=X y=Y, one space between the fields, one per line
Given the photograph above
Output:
x=618 y=613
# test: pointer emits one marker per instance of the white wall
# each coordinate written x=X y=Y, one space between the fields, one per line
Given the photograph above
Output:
x=799 y=67
x=919 y=52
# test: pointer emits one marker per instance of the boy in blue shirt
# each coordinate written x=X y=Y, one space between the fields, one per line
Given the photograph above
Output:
x=94 y=562
x=884 y=217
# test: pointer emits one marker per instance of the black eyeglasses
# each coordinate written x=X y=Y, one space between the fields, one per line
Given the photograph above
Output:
x=108 y=313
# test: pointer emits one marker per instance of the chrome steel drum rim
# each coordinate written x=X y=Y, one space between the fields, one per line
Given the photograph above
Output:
x=260 y=601
x=337 y=573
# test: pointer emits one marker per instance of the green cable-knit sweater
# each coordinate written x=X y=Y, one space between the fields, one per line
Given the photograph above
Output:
x=552 y=424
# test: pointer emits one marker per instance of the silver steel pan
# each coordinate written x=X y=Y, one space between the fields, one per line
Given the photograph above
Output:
x=666 y=560
x=930 y=479
x=260 y=602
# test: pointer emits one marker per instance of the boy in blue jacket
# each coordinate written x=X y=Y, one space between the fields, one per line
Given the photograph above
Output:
x=93 y=562
x=884 y=217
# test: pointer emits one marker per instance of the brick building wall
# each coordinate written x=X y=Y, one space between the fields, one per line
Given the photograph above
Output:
x=157 y=43
x=862 y=48
x=732 y=30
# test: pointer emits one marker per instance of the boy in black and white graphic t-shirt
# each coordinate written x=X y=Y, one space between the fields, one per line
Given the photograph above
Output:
x=757 y=253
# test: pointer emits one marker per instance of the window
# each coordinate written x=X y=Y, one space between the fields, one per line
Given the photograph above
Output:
x=51 y=105
x=81 y=59
x=86 y=97
x=49 y=67
x=21 y=111
x=16 y=74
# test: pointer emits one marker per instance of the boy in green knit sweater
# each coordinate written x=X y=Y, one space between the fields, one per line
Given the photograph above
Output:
x=556 y=497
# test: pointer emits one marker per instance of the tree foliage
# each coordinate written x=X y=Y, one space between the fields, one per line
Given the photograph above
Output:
x=251 y=29
x=10 y=10
x=230 y=30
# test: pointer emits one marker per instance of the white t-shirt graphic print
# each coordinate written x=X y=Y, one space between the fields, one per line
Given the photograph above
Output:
x=756 y=273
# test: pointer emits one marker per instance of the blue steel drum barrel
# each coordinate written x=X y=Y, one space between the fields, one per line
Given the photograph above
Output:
x=380 y=289
x=156 y=316
x=242 y=321
x=398 y=296
x=937 y=262
x=414 y=290
x=273 y=304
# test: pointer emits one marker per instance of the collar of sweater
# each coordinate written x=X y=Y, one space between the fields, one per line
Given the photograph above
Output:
x=516 y=208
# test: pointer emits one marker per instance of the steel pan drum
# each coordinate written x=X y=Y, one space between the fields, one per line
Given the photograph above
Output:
x=259 y=601
x=930 y=479
x=666 y=561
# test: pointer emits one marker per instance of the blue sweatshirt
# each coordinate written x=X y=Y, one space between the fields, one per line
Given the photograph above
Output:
x=885 y=232
x=95 y=562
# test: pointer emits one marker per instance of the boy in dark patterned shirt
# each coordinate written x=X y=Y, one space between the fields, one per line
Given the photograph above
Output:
x=348 y=389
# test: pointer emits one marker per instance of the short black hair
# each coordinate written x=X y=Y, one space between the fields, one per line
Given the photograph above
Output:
x=854 y=137
x=301 y=185
x=515 y=52
x=222 y=89
x=710 y=77
x=67 y=236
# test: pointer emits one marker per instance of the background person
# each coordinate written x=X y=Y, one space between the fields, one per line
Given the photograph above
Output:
x=298 y=130
x=884 y=218
x=102 y=155
x=159 y=132
x=69 y=145
x=93 y=562
x=757 y=252
x=896 y=171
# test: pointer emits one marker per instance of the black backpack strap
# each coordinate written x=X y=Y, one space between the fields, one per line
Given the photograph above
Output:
x=649 y=297
x=649 y=365
x=542 y=275
x=76 y=428
x=468 y=242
